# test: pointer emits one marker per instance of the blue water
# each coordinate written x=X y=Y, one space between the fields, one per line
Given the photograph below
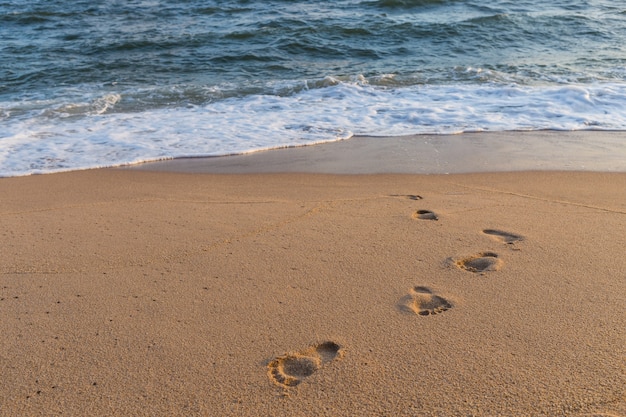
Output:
x=84 y=84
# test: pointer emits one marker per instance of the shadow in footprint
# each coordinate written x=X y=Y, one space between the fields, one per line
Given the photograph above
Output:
x=479 y=263
x=425 y=215
x=422 y=301
x=502 y=236
x=409 y=196
x=291 y=369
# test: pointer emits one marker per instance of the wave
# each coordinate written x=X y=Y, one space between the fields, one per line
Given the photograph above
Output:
x=97 y=132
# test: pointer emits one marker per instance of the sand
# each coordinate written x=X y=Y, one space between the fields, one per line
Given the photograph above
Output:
x=136 y=293
x=603 y=151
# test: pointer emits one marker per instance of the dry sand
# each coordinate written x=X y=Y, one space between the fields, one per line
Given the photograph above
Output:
x=129 y=293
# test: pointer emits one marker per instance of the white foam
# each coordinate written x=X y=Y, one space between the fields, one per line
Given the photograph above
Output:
x=68 y=136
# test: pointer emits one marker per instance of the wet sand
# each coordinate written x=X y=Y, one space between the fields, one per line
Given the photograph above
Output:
x=603 y=151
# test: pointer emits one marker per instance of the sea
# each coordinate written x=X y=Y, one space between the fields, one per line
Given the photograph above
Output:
x=87 y=84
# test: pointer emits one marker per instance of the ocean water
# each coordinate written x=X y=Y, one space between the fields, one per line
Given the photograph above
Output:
x=89 y=84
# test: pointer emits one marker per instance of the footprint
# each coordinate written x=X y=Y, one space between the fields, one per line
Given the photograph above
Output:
x=425 y=215
x=423 y=302
x=409 y=196
x=481 y=262
x=504 y=237
x=291 y=369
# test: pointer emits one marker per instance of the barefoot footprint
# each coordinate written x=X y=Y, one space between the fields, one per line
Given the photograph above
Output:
x=480 y=262
x=422 y=301
x=409 y=196
x=504 y=237
x=425 y=215
x=291 y=369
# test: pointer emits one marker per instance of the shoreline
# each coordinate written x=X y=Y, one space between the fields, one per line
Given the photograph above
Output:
x=602 y=151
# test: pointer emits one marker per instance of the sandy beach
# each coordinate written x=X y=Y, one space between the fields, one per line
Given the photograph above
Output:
x=160 y=293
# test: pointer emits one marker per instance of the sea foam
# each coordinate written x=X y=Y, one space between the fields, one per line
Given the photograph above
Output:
x=99 y=131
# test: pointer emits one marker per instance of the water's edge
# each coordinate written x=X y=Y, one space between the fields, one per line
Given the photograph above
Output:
x=548 y=150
